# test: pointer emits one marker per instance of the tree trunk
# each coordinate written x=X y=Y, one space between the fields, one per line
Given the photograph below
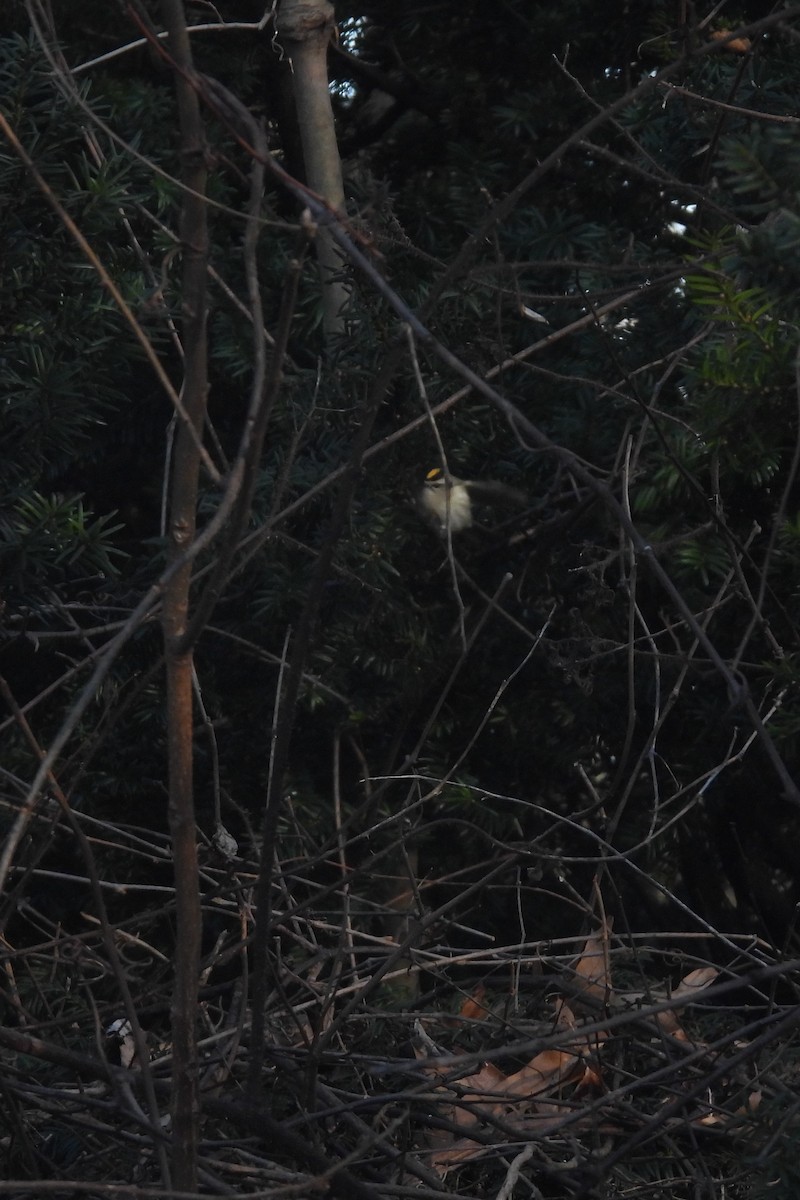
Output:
x=305 y=28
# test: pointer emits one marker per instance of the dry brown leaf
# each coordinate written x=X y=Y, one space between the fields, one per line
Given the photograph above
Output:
x=473 y=1008
x=753 y=1102
x=590 y=1080
x=692 y=983
x=550 y=1119
x=546 y=1070
x=593 y=969
x=533 y=1122
x=464 y=1149
x=532 y=1099
x=554 y=1116
x=478 y=1095
x=565 y=1017
x=724 y=1118
x=487 y=1075
x=735 y=45
x=669 y=1022
x=460 y=1151
x=695 y=981
x=464 y=1102
x=477 y=1098
x=489 y=1092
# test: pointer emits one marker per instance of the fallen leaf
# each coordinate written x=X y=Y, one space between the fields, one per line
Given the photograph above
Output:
x=692 y=983
x=735 y=45
x=565 y=1017
x=590 y=1080
x=546 y=1070
x=593 y=969
x=753 y=1102
x=695 y=981
x=479 y=1095
x=473 y=1008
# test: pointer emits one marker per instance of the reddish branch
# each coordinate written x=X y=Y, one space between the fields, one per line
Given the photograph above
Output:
x=175 y=613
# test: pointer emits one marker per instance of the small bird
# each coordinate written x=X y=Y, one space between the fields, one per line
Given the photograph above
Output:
x=445 y=502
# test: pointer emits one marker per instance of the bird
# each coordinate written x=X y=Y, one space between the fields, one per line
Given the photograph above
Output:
x=445 y=501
